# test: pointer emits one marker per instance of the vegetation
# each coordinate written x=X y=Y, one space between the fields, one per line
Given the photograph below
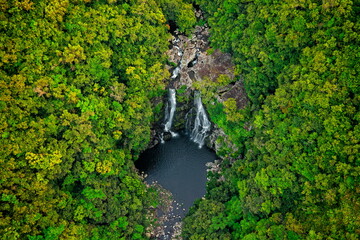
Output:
x=291 y=159
x=77 y=79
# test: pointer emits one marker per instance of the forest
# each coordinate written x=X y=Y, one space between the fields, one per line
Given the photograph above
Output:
x=77 y=89
x=77 y=79
x=292 y=166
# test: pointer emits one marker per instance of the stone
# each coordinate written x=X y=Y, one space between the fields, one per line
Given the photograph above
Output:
x=209 y=66
x=236 y=91
x=196 y=63
x=167 y=136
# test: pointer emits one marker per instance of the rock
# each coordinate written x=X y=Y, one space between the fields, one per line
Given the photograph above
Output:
x=155 y=134
x=195 y=48
x=195 y=63
x=153 y=142
x=167 y=136
x=211 y=139
x=236 y=91
x=198 y=14
x=214 y=65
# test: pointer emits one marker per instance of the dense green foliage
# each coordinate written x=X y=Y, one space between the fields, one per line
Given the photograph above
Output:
x=76 y=83
x=291 y=165
x=179 y=13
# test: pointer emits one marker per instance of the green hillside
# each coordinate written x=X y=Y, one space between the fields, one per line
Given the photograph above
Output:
x=79 y=83
x=76 y=83
x=295 y=174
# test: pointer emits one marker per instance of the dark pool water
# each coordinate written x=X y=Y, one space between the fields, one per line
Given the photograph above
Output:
x=178 y=165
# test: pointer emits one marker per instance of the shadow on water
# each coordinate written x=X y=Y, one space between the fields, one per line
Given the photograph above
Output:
x=178 y=166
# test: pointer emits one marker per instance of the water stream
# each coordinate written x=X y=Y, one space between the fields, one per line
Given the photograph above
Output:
x=197 y=123
x=169 y=114
x=178 y=167
x=170 y=110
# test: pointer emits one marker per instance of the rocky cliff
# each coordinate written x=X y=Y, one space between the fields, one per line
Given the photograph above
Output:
x=192 y=59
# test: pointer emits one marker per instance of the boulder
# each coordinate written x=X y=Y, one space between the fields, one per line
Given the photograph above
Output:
x=237 y=92
x=190 y=60
x=193 y=57
x=167 y=136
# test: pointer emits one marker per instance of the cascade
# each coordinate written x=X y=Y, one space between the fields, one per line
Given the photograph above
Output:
x=200 y=126
x=169 y=112
x=161 y=137
x=194 y=61
x=180 y=53
x=175 y=73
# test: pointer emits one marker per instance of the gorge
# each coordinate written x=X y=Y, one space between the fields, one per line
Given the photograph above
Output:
x=95 y=93
x=178 y=164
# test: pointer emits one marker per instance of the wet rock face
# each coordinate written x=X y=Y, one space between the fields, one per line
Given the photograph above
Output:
x=194 y=61
x=211 y=66
x=236 y=91
x=191 y=60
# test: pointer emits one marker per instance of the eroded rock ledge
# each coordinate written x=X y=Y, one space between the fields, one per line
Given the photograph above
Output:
x=196 y=59
x=191 y=59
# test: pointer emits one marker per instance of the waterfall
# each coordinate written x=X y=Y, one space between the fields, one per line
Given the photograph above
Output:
x=194 y=61
x=180 y=53
x=175 y=73
x=199 y=122
x=169 y=112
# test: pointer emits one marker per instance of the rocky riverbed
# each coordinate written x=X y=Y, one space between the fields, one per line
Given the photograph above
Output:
x=191 y=59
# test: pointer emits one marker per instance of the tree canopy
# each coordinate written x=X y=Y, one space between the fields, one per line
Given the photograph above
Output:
x=76 y=83
x=291 y=158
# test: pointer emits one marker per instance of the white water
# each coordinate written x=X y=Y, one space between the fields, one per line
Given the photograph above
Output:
x=180 y=53
x=175 y=73
x=201 y=124
x=169 y=111
x=161 y=136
